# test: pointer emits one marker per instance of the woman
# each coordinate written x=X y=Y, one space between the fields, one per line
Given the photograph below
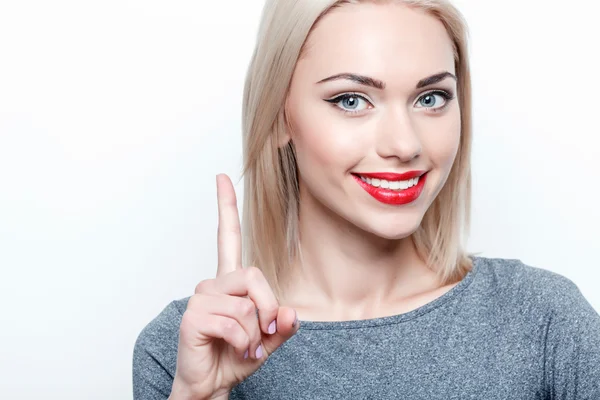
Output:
x=357 y=132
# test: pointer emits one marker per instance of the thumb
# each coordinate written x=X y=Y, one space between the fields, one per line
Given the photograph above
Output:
x=287 y=326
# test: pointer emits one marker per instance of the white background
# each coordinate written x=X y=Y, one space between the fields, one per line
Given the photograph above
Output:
x=115 y=117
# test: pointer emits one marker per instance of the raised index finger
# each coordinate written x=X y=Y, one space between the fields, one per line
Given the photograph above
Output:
x=229 y=236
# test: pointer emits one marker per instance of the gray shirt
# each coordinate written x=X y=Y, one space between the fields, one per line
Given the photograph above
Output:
x=506 y=331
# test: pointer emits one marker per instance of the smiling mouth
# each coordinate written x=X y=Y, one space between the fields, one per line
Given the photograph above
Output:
x=393 y=190
x=397 y=185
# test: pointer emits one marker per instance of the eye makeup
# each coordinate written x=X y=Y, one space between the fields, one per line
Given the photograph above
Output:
x=357 y=98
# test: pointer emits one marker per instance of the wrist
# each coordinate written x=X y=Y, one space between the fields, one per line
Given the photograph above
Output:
x=180 y=391
x=220 y=395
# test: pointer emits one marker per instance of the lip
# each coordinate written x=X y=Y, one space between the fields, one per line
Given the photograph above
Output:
x=393 y=197
x=391 y=176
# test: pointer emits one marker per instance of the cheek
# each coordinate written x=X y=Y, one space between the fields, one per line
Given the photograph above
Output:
x=441 y=145
x=323 y=141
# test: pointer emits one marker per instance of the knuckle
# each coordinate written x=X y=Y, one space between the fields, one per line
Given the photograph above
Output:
x=194 y=302
x=254 y=274
x=246 y=307
x=203 y=286
x=229 y=327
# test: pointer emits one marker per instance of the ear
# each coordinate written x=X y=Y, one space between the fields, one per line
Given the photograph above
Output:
x=284 y=128
x=283 y=139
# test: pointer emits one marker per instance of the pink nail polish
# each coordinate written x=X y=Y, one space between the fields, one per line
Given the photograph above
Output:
x=259 y=352
x=246 y=354
x=272 y=327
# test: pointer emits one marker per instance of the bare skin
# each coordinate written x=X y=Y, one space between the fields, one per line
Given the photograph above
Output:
x=221 y=340
x=358 y=258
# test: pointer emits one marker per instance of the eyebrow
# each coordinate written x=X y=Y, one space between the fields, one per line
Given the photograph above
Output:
x=378 y=84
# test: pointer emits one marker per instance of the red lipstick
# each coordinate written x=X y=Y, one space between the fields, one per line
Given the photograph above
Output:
x=390 y=176
x=390 y=196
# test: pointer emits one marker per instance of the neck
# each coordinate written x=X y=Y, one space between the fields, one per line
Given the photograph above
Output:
x=347 y=271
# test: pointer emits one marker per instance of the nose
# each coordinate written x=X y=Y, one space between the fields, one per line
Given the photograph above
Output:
x=398 y=137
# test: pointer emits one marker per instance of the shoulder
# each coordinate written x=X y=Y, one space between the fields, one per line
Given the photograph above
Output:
x=531 y=287
x=164 y=327
x=155 y=351
x=552 y=307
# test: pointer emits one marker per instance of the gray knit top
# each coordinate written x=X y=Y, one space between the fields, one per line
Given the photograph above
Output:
x=506 y=331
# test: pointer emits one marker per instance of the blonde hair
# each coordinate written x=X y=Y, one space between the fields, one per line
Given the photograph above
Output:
x=271 y=194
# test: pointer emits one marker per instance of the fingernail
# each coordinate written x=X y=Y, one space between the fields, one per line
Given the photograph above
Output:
x=246 y=354
x=259 y=352
x=272 y=328
x=295 y=320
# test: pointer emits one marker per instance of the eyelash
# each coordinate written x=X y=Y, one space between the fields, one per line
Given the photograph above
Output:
x=448 y=97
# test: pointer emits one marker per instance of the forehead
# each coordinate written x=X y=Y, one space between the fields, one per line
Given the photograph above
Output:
x=389 y=41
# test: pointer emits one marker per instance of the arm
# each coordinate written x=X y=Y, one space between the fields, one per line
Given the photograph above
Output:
x=572 y=348
x=155 y=356
x=151 y=381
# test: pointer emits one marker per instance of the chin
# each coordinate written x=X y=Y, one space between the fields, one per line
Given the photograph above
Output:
x=389 y=228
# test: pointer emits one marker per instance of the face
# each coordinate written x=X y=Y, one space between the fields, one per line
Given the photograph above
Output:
x=374 y=116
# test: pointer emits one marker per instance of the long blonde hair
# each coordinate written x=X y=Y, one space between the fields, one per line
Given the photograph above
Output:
x=271 y=195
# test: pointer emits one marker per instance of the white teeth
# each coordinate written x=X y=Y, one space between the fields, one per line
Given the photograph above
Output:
x=393 y=185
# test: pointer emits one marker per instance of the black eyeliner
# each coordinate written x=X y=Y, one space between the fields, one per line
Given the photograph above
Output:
x=447 y=95
x=343 y=96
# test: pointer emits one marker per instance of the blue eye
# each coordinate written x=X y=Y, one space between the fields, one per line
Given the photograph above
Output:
x=350 y=102
x=435 y=101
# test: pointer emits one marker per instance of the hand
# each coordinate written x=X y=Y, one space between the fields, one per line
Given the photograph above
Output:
x=221 y=339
